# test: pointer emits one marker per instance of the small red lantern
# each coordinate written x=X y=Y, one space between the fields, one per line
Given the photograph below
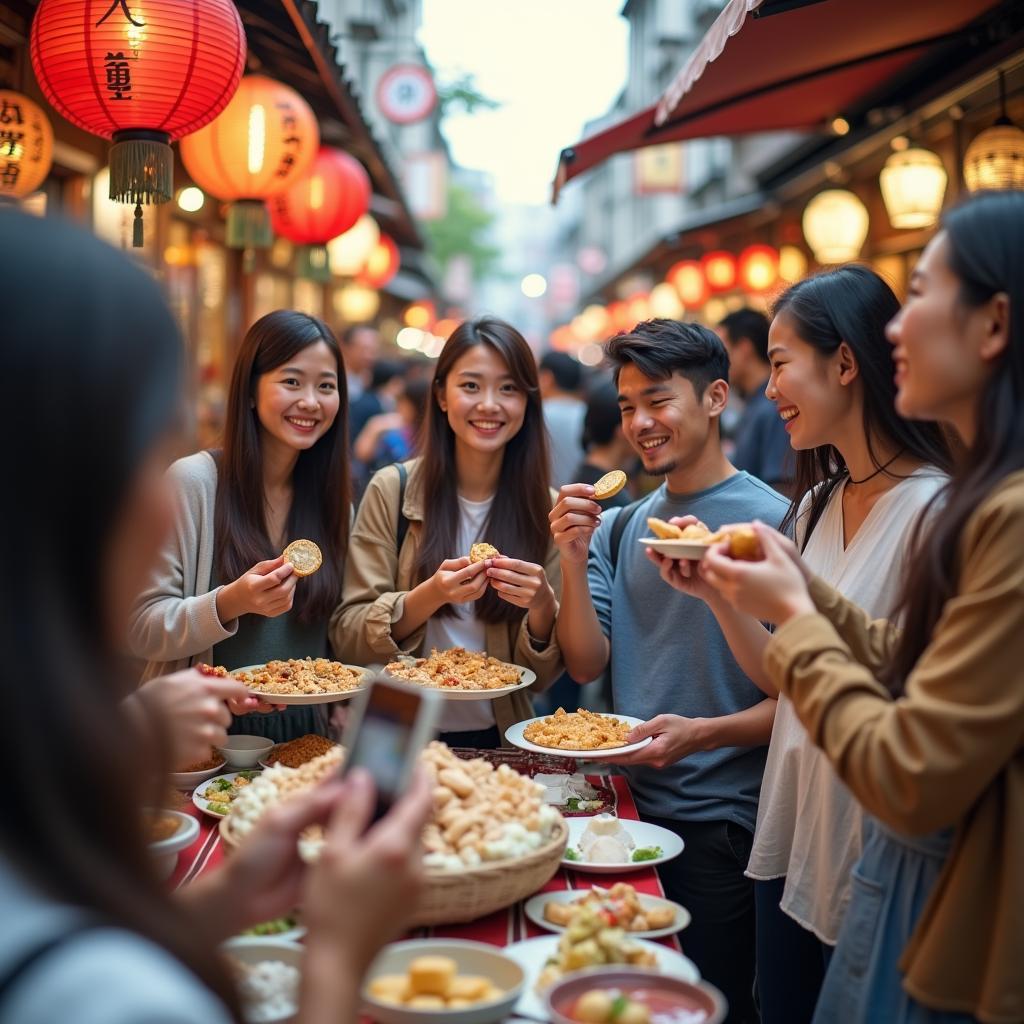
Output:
x=143 y=75
x=719 y=270
x=382 y=264
x=619 y=315
x=332 y=195
x=639 y=309
x=687 y=277
x=758 y=268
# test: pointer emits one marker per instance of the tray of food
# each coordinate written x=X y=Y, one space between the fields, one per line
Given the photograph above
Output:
x=463 y=675
x=216 y=796
x=692 y=542
x=606 y=844
x=646 y=917
x=584 y=735
x=298 y=680
x=299 y=751
x=191 y=775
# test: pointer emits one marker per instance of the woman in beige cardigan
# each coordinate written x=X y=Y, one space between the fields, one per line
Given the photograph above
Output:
x=926 y=725
x=409 y=583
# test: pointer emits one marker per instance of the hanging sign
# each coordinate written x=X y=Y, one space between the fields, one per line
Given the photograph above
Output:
x=406 y=93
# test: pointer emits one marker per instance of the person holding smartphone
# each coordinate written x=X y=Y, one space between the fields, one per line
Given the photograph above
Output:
x=221 y=592
x=483 y=477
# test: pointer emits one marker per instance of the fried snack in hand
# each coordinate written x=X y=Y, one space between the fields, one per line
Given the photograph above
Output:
x=609 y=485
x=744 y=545
x=663 y=530
x=481 y=552
x=304 y=556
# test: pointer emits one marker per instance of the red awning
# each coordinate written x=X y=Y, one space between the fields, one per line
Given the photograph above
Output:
x=768 y=65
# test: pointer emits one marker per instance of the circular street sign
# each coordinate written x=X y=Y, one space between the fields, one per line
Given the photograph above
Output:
x=406 y=93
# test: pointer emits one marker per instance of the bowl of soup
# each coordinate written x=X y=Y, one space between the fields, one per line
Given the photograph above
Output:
x=602 y=996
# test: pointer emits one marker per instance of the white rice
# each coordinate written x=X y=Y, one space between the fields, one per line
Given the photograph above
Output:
x=269 y=990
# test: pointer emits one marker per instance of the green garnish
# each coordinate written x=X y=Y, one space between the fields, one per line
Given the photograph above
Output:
x=275 y=927
x=573 y=803
x=619 y=1005
x=223 y=785
x=248 y=775
x=571 y=854
x=218 y=808
x=647 y=853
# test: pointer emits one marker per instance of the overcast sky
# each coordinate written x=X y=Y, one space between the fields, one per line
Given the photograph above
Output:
x=553 y=64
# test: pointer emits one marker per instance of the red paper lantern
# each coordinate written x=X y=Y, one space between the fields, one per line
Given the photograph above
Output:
x=262 y=143
x=142 y=74
x=687 y=277
x=329 y=198
x=758 y=268
x=382 y=264
x=719 y=270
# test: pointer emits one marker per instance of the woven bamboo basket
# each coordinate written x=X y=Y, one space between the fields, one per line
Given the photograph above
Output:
x=454 y=897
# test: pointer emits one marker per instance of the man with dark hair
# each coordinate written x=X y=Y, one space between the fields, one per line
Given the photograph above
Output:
x=360 y=344
x=762 y=444
x=560 y=377
x=670 y=662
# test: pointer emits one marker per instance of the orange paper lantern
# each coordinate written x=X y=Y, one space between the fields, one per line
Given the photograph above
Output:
x=758 y=268
x=264 y=141
x=26 y=145
x=619 y=315
x=142 y=74
x=687 y=277
x=719 y=270
x=382 y=264
x=639 y=309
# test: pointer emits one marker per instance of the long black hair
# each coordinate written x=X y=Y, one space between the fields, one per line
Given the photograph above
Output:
x=95 y=363
x=518 y=521
x=853 y=304
x=986 y=240
x=321 y=487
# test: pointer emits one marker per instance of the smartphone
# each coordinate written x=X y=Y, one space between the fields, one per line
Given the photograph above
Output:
x=390 y=724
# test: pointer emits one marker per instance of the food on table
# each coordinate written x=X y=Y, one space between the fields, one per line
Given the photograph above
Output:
x=302 y=676
x=481 y=552
x=645 y=1005
x=276 y=927
x=590 y=941
x=605 y=841
x=570 y=793
x=214 y=760
x=219 y=671
x=481 y=813
x=578 y=730
x=433 y=983
x=609 y=485
x=609 y=1006
x=304 y=556
x=744 y=545
x=620 y=905
x=221 y=793
x=161 y=827
x=299 y=751
x=269 y=990
x=647 y=853
x=456 y=669
x=664 y=530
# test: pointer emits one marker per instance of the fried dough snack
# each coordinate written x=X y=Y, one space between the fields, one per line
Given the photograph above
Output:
x=481 y=552
x=457 y=669
x=578 y=730
x=306 y=675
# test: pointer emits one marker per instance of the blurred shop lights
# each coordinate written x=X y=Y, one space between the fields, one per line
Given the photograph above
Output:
x=191 y=199
x=533 y=286
x=355 y=303
x=995 y=159
x=792 y=264
x=758 y=268
x=687 y=278
x=835 y=224
x=348 y=252
x=719 y=270
x=913 y=184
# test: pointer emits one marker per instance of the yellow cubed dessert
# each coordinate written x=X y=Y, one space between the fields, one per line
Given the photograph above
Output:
x=431 y=975
x=425 y=1003
x=468 y=986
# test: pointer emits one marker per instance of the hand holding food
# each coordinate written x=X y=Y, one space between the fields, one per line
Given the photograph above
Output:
x=523 y=584
x=609 y=485
x=268 y=589
x=573 y=521
x=459 y=581
x=675 y=737
x=481 y=552
x=303 y=556
x=772 y=590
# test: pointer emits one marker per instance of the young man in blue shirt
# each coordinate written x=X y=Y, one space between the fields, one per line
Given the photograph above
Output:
x=670 y=663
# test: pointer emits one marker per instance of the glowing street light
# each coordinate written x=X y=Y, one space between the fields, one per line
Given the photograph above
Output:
x=534 y=286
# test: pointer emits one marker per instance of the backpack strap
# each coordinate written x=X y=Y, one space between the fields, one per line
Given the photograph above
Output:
x=401 y=522
x=618 y=529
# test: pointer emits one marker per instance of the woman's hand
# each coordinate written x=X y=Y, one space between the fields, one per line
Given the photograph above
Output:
x=573 y=521
x=675 y=737
x=523 y=584
x=250 y=705
x=190 y=706
x=458 y=581
x=772 y=590
x=365 y=887
x=267 y=589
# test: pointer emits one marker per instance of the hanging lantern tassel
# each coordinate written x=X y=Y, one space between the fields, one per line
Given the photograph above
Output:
x=249 y=225
x=141 y=171
x=314 y=263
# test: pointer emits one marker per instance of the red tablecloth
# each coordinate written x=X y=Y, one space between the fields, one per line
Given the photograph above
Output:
x=499 y=929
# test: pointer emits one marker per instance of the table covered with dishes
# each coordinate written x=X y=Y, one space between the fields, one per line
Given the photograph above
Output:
x=542 y=900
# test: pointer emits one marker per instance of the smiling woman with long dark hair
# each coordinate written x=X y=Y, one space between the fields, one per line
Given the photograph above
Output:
x=483 y=476
x=223 y=593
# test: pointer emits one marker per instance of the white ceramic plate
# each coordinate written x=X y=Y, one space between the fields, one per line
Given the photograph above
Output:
x=256 y=949
x=527 y=677
x=514 y=735
x=533 y=954
x=301 y=698
x=471 y=957
x=204 y=805
x=534 y=909
x=165 y=851
x=642 y=833
x=688 y=549
x=293 y=934
x=189 y=780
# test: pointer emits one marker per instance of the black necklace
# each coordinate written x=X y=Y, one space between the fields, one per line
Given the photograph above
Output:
x=881 y=469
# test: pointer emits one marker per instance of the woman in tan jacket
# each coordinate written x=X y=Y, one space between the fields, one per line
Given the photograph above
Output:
x=410 y=586
x=925 y=724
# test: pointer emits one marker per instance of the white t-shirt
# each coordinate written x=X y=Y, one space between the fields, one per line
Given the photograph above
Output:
x=808 y=823
x=463 y=629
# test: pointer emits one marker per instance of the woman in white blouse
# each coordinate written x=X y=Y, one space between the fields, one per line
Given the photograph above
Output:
x=863 y=478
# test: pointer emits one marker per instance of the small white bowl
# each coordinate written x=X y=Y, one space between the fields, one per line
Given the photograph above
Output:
x=245 y=751
x=189 y=780
x=256 y=948
x=165 y=852
x=471 y=957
